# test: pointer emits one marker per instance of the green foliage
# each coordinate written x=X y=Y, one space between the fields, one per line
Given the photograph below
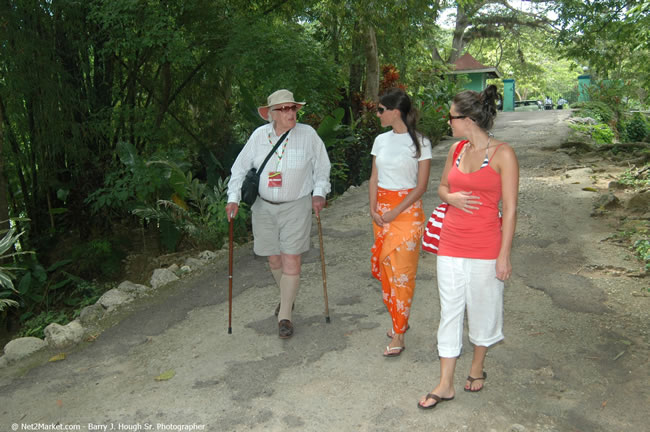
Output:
x=100 y=258
x=40 y=287
x=609 y=36
x=337 y=137
x=613 y=93
x=597 y=110
x=35 y=325
x=641 y=248
x=292 y=58
x=434 y=101
x=348 y=148
x=600 y=133
x=139 y=183
x=8 y=292
x=53 y=294
x=195 y=209
x=637 y=128
x=636 y=177
x=529 y=56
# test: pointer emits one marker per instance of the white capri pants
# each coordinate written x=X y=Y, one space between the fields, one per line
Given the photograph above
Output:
x=471 y=283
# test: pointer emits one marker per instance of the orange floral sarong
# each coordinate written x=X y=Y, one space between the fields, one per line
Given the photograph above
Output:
x=395 y=254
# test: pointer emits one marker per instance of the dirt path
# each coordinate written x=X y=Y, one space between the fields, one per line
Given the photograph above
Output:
x=575 y=357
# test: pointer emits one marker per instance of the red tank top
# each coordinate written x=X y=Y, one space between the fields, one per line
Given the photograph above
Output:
x=476 y=235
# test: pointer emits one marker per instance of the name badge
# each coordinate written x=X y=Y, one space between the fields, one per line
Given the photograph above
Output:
x=275 y=179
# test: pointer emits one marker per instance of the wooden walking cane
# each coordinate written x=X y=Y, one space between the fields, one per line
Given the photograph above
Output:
x=322 y=262
x=230 y=252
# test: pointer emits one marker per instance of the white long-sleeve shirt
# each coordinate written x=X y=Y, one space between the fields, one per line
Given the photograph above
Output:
x=304 y=164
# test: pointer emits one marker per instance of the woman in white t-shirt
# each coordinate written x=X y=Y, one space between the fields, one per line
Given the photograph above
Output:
x=400 y=173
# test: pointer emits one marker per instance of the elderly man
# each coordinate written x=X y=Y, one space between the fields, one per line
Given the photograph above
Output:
x=294 y=180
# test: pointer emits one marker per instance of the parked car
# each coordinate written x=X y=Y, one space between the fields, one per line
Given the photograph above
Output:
x=529 y=105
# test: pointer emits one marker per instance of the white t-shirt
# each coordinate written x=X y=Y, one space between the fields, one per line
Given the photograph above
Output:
x=397 y=168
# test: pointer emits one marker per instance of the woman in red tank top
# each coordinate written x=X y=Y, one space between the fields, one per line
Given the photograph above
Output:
x=475 y=242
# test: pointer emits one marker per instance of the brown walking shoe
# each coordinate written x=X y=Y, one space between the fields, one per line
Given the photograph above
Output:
x=285 y=329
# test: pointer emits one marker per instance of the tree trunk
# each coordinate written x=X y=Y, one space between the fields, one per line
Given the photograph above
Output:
x=458 y=44
x=4 y=203
x=435 y=54
x=356 y=71
x=27 y=197
x=372 y=65
x=163 y=103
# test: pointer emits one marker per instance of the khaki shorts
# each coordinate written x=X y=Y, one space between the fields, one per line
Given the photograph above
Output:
x=282 y=228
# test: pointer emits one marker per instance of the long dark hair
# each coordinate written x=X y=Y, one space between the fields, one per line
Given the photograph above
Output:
x=480 y=107
x=396 y=98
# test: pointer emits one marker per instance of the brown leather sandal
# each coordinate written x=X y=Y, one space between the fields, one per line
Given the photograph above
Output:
x=436 y=398
x=472 y=379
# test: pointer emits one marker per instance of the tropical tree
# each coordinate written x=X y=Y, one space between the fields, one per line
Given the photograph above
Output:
x=611 y=37
x=484 y=19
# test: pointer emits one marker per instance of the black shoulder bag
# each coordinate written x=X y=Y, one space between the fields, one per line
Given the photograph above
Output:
x=250 y=187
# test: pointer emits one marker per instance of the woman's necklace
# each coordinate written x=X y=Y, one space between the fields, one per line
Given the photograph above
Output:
x=481 y=149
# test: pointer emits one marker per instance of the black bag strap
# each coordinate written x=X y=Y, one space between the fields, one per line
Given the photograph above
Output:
x=268 y=156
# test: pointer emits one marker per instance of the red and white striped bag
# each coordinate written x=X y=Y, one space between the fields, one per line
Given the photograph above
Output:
x=431 y=237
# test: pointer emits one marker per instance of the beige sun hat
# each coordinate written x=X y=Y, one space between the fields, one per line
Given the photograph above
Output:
x=276 y=98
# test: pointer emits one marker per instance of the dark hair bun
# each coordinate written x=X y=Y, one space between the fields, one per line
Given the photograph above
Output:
x=480 y=107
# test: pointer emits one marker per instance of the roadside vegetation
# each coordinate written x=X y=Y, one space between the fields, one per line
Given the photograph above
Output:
x=606 y=126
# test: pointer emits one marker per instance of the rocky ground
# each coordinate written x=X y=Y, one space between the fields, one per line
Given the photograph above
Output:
x=575 y=357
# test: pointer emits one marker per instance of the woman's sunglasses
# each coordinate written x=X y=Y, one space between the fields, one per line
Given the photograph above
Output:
x=380 y=110
x=453 y=117
x=287 y=108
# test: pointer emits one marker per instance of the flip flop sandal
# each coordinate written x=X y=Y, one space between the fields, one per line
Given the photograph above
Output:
x=472 y=379
x=394 y=351
x=435 y=397
x=391 y=333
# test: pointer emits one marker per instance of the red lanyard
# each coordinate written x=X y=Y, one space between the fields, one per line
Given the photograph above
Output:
x=279 y=155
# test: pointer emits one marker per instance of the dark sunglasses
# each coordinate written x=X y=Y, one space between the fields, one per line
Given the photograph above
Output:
x=287 y=108
x=453 y=117
x=380 y=110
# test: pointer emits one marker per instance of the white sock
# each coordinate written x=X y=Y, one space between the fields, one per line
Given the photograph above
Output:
x=288 y=291
x=277 y=275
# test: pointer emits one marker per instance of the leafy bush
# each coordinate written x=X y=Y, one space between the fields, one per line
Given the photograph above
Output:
x=195 y=209
x=137 y=182
x=8 y=293
x=34 y=326
x=641 y=248
x=348 y=148
x=637 y=128
x=97 y=259
x=636 y=177
x=598 y=111
x=612 y=93
x=600 y=133
x=434 y=102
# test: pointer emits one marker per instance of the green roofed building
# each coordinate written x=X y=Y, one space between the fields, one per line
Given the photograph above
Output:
x=478 y=74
